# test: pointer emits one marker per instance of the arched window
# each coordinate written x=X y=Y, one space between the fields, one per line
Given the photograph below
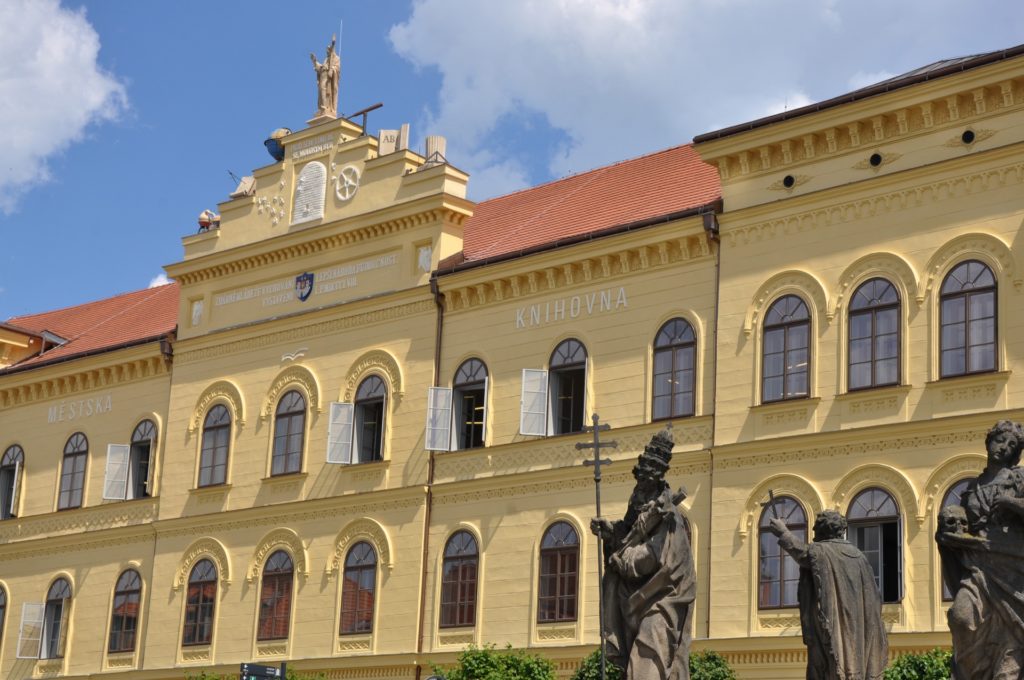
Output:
x=358 y=590
x=72 y=472
x=968 y=320
x=559 y=574
x=567 y=380
x=124 y=618
x=779 y=574
x=786 y=355
x=275 y=597
x=674 y=361
x=11 y=466
x=470 y=387
x=874 y=335
x=953 y=497
x=369 y=408
x=200 y=604
x=213 y=459
x=55 y=619
x=141 y=458
x=458 y=581
x=289 y=428
x=874 y=527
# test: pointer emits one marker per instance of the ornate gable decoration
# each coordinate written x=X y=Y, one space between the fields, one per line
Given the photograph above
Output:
x=222 y=390
x=292 y=376
x=278 y=538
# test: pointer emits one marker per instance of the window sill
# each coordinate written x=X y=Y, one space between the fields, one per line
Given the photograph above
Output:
x=354 y=643
x=456 y=636
x=970 y=379
x=369 y=465
x=874 y=392
x=555 y=632
x=285 y=479
x=783 y=619
x=196 y=654
x=785 y=405
x=120 y=661
x=212 y=490
x=272 y=648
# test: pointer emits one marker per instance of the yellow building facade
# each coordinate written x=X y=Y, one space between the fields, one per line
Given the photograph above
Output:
x=364 y=401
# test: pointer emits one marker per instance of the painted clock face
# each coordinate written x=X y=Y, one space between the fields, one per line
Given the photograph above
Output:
x=347 y=183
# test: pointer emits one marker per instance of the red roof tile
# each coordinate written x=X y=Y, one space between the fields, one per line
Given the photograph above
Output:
x=660 y=183
x=104 y=324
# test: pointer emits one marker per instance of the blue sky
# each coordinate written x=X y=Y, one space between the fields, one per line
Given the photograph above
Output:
x=121 y=119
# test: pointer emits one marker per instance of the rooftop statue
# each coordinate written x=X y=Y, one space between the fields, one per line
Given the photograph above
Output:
x=981 y=543
x=327 y=74
x=840 y=606
x=649 y=583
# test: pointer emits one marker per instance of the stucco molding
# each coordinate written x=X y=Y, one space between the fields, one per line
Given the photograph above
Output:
x=374 y=360
x=944 y=476
x=781 y=485
x=885 y=265
x=795 y=281
x=881 y=476
x=362 y=529
x=988 y=248
x=68 y=384
x=205 y=547
x=278 y=538
x=223 y=391
x=293 y=376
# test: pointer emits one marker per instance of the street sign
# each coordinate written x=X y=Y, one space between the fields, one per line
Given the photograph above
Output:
x=255 y=671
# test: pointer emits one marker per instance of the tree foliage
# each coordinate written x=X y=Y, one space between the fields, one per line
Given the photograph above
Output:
x=933 y=665
x=291 y=675
x=590 y=669
x=703 y=666
x=487 y=663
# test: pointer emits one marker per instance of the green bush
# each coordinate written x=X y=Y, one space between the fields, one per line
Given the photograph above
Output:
x=703 y=666
x=292 y=675
x=590 y=669
x=486 y=663
x=933 y=665
x=710 y=665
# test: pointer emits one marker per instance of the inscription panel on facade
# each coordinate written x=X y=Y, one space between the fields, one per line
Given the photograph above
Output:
x=338 y=282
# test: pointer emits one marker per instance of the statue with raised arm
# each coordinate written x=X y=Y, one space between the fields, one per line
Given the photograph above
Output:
x=327 y=75
x=840 y=606
x=981 y=543
x=649 y=583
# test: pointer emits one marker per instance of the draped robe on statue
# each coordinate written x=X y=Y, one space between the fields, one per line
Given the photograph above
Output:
x=648 y=592
x=840 y=610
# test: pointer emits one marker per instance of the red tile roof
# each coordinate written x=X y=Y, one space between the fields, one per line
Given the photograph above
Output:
x=661 y=183
x=104 y=324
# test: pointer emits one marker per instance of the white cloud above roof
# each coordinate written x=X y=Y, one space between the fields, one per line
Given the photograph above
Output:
x=51 y=90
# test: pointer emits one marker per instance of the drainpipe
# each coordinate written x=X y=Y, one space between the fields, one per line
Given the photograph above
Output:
x=421 y=625
x=711 y=231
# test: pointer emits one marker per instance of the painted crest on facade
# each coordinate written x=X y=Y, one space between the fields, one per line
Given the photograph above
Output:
x=304 y=285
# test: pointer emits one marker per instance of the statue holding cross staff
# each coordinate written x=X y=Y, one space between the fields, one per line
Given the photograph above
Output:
x=649 y=582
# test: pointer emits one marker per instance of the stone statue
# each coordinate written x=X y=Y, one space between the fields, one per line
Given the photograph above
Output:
x=327 y=75
x=840 y=606
x=981 y=543
x=649 y=583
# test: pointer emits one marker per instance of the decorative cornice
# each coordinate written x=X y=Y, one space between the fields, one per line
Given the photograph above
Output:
x=362 y=529
x=335 y=242
x=871 y=207
x=312 y=330
x=223 y=391
x=76 y=382
x=292 y=376
x=588 y=270
x=960 y=110
x=80 y=520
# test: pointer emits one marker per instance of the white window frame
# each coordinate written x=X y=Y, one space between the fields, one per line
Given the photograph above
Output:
x=31 y=621
x=341 y=433
x=118 y=472
x=439 y=430
x=534 y=403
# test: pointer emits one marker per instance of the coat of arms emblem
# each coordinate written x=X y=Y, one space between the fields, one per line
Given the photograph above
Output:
x=304 y=285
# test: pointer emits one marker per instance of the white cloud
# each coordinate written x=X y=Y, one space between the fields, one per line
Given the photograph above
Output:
x=51 y=90
x=861 y=79
x=159 y=280
x=612 y=79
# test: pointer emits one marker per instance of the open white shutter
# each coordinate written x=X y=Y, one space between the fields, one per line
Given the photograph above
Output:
x=483 y=415
x=439 y=418
x=14 y=488
x=115 y=484
x=339 y=433
x=30 y=635
x=533 y=406
x=65 y=620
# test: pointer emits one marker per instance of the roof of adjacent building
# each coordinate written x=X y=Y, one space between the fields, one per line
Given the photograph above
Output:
x=665 y=184
x=120 y=321
x=938 y=69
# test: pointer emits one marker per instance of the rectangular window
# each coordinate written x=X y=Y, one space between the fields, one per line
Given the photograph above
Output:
x=568 y=386
x=72 y=481
x=469 y=402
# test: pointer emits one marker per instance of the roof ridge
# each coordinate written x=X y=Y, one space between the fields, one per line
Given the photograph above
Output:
x=90 y=302
x=586 y=172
